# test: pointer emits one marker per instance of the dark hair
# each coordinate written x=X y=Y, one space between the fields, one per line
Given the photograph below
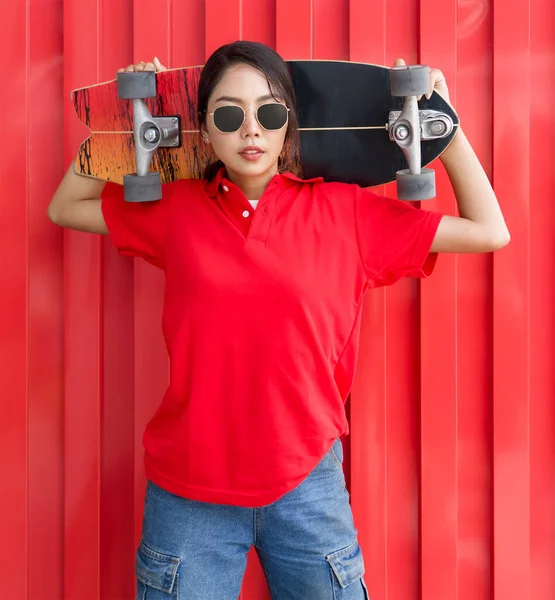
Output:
x=273 y=67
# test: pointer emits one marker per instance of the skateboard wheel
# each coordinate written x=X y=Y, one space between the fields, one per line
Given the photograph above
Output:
x=134 y=86
x=416 y=187
x=142 y=188
x=409 y=80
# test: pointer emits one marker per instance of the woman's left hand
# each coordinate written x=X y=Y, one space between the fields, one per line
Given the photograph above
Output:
x=437 y=82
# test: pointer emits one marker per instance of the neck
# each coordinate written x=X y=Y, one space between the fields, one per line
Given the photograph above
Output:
x=252 y=186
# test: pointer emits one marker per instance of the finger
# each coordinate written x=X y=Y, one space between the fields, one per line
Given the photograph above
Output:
x=129 y=69
x=399 y=63
x=432 y=84
x=159 y=65
x=437 y=74
x=436 y=77
x=149 y=67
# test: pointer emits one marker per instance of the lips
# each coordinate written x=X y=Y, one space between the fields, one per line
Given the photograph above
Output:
x=251 y=151
x=251 y=154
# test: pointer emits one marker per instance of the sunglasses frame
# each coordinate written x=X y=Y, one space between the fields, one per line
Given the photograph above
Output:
x=245 y=116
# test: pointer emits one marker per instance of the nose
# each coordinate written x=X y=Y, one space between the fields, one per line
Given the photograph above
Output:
x=250 y=127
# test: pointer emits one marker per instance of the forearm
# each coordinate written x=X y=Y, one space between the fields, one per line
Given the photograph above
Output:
x=76 y=203
x=476 y=199
x=481 y=226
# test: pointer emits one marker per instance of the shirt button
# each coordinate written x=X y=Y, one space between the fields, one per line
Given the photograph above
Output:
x=225 y=188
x=246 y=213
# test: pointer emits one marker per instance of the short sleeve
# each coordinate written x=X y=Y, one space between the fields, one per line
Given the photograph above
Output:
x=394 y=237
x=137 y=228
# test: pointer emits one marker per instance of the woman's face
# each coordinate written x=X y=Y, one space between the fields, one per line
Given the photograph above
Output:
x=244 y=86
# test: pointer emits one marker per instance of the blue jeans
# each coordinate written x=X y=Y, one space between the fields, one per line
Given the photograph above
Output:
x=306 y=542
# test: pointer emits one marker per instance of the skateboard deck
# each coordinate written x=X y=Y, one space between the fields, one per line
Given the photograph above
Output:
x=343 y=109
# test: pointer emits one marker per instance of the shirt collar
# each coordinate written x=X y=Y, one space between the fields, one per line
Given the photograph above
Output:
x=220 y=179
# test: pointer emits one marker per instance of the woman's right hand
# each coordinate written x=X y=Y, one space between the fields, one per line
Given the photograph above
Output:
x=155 y=65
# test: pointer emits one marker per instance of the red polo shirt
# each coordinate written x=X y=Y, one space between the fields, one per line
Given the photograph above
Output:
x=261 y=319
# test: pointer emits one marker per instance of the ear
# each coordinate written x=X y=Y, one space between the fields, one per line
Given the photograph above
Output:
x=204 y=134
x=203 y=129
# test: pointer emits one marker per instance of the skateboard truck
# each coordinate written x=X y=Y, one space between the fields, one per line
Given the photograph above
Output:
x=150 y=133
x=410 y=125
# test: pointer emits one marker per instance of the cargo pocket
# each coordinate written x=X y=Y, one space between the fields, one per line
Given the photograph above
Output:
x=347 y=566
x=157 y=577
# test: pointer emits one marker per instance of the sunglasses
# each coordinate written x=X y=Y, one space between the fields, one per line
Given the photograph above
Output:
x=270 y=117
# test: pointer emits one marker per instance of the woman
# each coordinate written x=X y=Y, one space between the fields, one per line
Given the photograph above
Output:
x=265 y=275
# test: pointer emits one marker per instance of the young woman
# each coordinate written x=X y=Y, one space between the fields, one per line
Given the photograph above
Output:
x=265 y=275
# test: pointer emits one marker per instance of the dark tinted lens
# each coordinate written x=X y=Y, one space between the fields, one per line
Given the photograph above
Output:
x=272 y=116
x=228 y=118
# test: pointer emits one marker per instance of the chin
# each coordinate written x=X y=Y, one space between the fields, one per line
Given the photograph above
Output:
x=252 y=170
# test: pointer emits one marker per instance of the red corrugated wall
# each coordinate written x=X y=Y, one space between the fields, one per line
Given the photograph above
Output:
x=451 y=457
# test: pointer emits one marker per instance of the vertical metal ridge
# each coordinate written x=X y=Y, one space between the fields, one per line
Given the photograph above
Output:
x=439 y=408
x=311 y=28
x=542 y=300
x=512 y=399
x=170 y=32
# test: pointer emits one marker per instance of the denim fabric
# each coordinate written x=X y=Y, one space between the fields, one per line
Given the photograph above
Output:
x=306 y=542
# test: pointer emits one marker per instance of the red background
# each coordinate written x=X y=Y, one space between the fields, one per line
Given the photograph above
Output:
x=451 y=457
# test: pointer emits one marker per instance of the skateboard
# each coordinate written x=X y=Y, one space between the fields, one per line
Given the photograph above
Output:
x=359 y=123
